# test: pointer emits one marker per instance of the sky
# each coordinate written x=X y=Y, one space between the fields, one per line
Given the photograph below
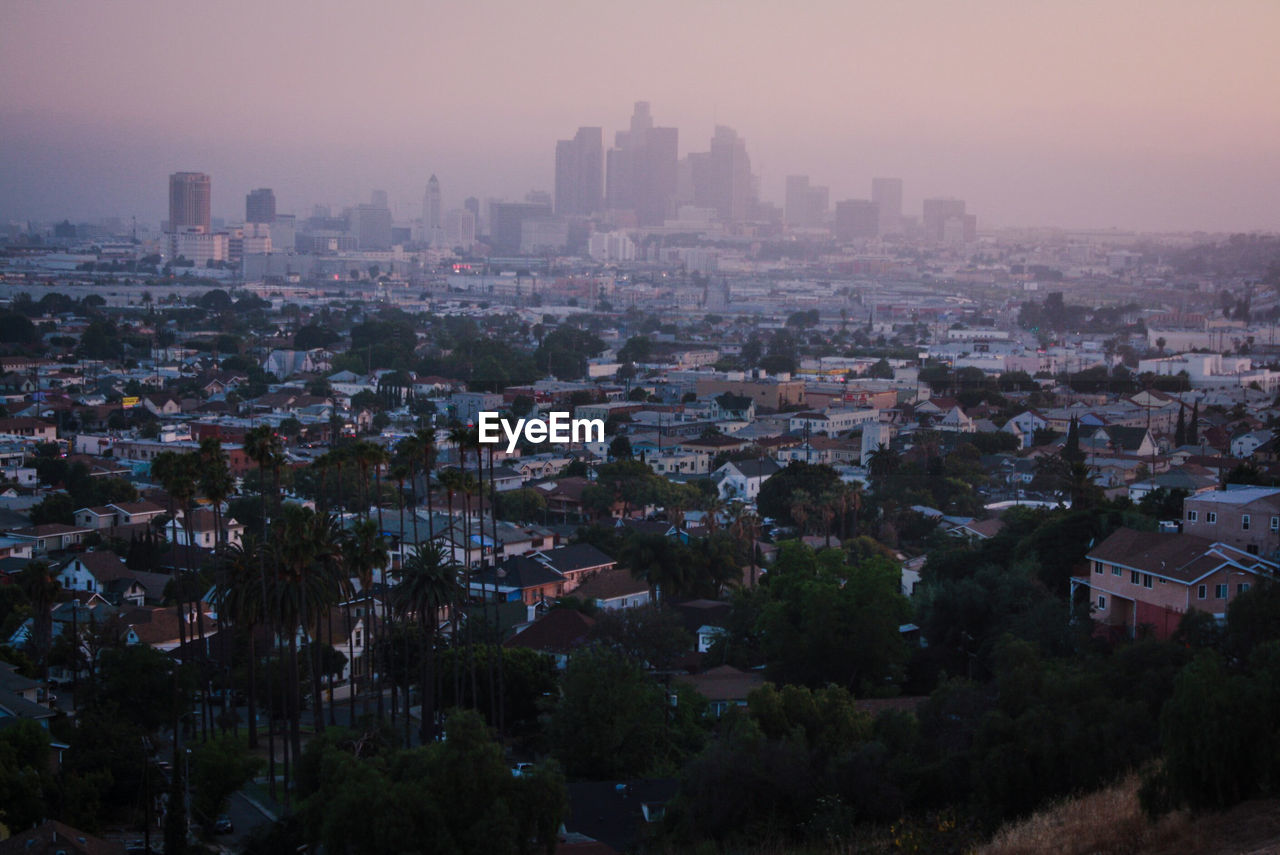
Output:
x=1155 y=116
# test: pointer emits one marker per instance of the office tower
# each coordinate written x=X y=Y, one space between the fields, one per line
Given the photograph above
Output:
x=795 y=211
x=260 y=206
x=887 y=193
x=805 y=205
x=432 y=224
x=641 y=168
x=189 y=194
x=722 y=177
x=580 y=173
x=460 y=229
x=538 y=197
x=472 y=204
x=937 y=213
x=857 y=219
x=378 y=198
x=507 y=221
x=371 y=226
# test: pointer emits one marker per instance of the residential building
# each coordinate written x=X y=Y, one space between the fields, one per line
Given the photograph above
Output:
x=1139 y=581
x=1247 y=517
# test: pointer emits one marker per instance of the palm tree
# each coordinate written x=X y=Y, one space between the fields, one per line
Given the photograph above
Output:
x=215 y=481
x=364 y=551
x=263 y=447
x=307 y=554
x=37 y=581
x=801 y=504
x=426 y=586
x=240 y=599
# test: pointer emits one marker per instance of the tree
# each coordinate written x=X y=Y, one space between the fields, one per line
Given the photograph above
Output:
x=219 y=767
x=1180 y=432
x=777 y=493
x=610 y=721
x=620 y=448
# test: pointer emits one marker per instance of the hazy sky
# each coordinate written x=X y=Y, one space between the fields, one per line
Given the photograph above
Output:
x=1150 y=115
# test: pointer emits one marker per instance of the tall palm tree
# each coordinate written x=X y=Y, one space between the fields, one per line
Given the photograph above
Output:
x=305 y=546
x=364 y=551
x=263 y=447
x=240 y=599
x=37 y=581
x=426 y=587
x=215 y=481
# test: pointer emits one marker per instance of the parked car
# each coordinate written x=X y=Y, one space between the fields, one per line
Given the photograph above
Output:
x=222 y=825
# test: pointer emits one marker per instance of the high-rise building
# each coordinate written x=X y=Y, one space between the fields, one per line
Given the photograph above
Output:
x=641 y=169
x=887 y=193
x=260 y=206
x=508 y=219
x=472 y=204
x=460 y=229
x=857 y=219
x=371 y=226
x=580 y=173
x=722 y=178
x=432 y=224
x=795 y=210
x=378 y=199
x=805 y=205
x=189 y=196
x=938 y=213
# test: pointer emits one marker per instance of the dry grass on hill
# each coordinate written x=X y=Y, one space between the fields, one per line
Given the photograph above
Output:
x=1110 y=821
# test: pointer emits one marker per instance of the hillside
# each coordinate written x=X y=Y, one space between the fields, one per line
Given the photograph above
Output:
x=1111 y=821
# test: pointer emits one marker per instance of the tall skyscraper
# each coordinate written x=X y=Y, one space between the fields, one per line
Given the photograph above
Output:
x=727 y=176
x=938 y=213
x=857 y=219
x=189 y=195
x=580 y=173
x=371 y=225
x=509 y=220
x=806 y=204
x=641 y=168
x=432 y=224
x=887 y=193
x=378 y=199
x=795 y=208
x=260 y=206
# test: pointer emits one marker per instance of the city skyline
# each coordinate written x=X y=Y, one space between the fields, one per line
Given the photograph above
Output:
x=1071 y=115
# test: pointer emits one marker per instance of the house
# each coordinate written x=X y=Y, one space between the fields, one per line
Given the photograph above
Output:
x=135 y=513
x=558 y=633
x=614 y=589
x=98 y=518
x=1140 y=579
x=37 y=429
x=106 y=574
x=52 y=537
x=576 y=563
x=519 y=579
x=162 y=628
x=741 y=479
x=1245 y=444
x=19 y=700
x=723 y=686
x=1246 y=517
x=202 y=531
x=162 y=405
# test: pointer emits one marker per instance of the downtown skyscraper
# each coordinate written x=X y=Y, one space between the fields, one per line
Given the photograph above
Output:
x=642 y=169
x=189 y=201
x=580 y=174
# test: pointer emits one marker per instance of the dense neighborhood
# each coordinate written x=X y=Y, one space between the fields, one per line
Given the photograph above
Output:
x=846 y=541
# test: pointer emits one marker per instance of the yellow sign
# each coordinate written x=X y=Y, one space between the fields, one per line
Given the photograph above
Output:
x=130 y=402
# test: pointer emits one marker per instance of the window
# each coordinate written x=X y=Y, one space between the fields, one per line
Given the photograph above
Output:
x=1102 y=602
x=1146 y=580
x=1202 y=592
x=1133 y=577
x=1193 y=516
x=1115 y=569
x=1220 y=591
x=1251 y=548
x=1097 y=567
x=1244 y=522
x=1211 y=517
x=1242 y=587
x=1275 y=523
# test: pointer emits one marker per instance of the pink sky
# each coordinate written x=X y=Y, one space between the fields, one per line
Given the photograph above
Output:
x=1153 y=115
